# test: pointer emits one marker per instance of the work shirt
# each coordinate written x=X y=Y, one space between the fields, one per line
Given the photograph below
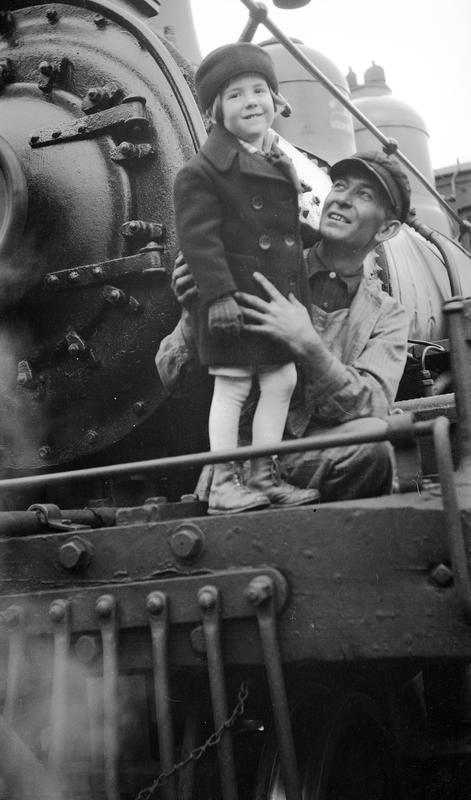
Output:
x=357 y=371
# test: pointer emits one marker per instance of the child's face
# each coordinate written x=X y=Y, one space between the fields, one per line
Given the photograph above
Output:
x=247 y=108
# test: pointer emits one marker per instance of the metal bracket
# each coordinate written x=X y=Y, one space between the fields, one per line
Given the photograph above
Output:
x=147 y=262
x=129 y=118
x=50 y=516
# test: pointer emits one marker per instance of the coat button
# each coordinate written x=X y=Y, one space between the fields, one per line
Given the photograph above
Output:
x=264 y=242
x=257 y=202
x=290 y=240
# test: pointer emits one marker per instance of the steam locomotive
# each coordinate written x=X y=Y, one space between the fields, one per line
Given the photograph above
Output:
x=146 y=649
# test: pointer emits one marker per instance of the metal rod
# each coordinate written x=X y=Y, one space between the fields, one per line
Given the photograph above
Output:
x=106 y=612
x=450 y=266
x=390 y=146
x=454 y=528
x=14 y=618
x=209 y=604
x=186 y=776
x=261 y=594
x=458 y=313
x=59 y=613
x=373 y=430
x=157 y=607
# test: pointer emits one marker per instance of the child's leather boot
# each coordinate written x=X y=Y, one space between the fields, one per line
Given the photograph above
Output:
x=229 y=495
x=265 y=477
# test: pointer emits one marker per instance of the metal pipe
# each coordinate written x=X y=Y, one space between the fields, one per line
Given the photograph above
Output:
x=261 y=594
x=14 y=619
x=458 y=313
x=373 y=430
x=209 y=604
x=59 y=613
x=390 y=146
x=430 y=235
x=107 y=619
x=157 y=607
x=454 y=528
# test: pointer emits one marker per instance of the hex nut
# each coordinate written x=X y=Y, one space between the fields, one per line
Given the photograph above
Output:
x=75 y=554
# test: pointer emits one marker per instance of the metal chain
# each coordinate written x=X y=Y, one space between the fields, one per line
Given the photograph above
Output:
x=195 y=755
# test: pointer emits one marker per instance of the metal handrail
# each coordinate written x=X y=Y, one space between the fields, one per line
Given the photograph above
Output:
x=259 y=15
x=396 y=430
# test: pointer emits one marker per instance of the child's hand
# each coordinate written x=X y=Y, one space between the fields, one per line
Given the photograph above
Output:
x=225 y=316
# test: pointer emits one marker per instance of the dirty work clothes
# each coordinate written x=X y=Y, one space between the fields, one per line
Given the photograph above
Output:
x=237 y=214
x=358 y=380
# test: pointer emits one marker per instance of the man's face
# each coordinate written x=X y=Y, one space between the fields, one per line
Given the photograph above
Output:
x=353 y=211
x=247 y=108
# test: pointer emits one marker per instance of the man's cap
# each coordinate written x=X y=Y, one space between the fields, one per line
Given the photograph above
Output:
x=388 y=173
x=225 y=63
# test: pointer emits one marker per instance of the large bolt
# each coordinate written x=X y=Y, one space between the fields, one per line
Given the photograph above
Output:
x=75 y=554
x=441 y=575
x=186 y=542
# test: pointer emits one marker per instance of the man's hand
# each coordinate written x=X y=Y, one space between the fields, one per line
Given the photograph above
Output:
x=285 y=320
x=182 y=282
x=225 y=316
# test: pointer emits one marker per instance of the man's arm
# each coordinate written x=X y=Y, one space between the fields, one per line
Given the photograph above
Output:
x=334 y=392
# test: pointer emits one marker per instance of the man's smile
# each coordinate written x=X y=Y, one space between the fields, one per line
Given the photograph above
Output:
x=334 y=215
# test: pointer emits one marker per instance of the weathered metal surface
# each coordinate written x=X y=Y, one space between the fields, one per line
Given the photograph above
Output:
x=64 y=205
x=360 y=577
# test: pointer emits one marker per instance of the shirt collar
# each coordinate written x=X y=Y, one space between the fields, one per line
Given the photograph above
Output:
x=316 y=266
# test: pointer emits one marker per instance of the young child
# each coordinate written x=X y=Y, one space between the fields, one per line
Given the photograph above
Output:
x=237 y=212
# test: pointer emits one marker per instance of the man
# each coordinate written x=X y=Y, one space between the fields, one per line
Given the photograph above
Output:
x=352 y=347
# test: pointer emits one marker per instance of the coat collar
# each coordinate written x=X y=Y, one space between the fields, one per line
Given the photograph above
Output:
x=221 y=148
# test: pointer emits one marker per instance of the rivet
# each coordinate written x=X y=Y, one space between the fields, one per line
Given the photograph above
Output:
x=82 y=129
x=86 y=648
x=259 y=590
x=56 y=134
x=155 y=603
x=13 y=615
x=51 y=280
x=34 y=138
x=206 y=598
x=91 y=436
x=104 y=606
x=139 y=408
x=52 y=15
x=73 y=275
x=441 y=575
x=57 y=610
x=73 y=349
x=45 y=68
x=44 y=451
x=97 y=272
x=100 y=21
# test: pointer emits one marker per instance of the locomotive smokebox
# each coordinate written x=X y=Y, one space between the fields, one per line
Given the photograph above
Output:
x=95 y=120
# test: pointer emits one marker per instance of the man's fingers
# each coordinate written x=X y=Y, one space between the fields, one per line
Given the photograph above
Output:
x=267 y=285
x=250 y=301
